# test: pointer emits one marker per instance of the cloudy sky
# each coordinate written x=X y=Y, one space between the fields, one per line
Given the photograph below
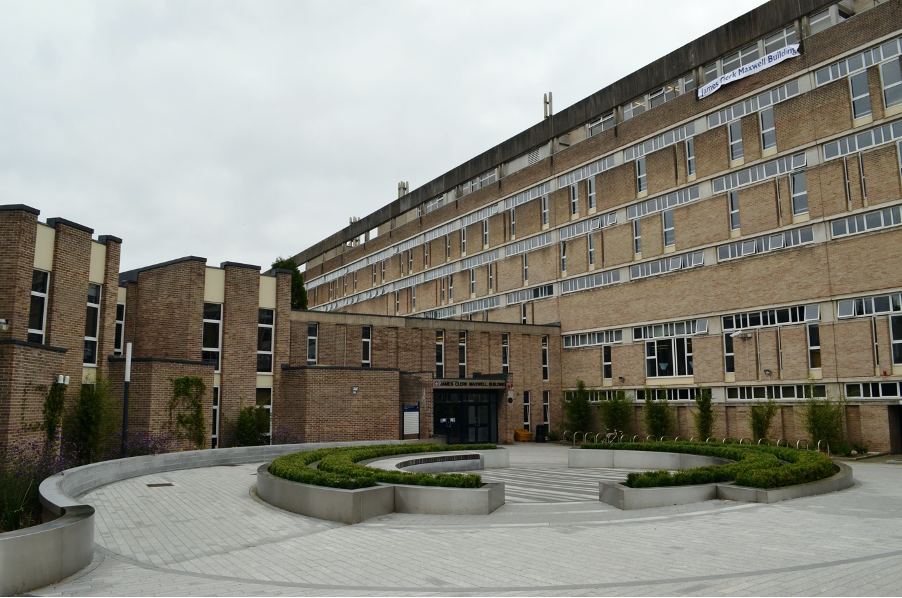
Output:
x=245 y=130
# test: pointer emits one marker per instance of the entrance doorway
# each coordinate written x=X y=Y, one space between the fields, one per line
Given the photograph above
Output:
x=467 y=416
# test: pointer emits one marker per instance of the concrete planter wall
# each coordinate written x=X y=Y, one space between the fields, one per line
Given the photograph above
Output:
x=38 y=556
x=647 y=460
x=444 y=462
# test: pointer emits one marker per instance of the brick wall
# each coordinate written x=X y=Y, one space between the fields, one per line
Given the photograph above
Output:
x=17 y=239
x=26 y=373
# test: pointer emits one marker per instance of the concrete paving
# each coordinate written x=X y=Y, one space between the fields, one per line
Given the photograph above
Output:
x=207 y=534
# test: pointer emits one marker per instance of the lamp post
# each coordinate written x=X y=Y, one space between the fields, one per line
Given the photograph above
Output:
x=128 y=376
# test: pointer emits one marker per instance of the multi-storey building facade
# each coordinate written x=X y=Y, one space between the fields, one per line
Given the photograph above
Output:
x=728 y=216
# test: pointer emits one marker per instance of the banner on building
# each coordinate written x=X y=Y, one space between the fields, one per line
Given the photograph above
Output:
x=775 y=57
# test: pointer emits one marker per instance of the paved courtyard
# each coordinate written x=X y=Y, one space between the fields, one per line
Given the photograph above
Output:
x=207 y=534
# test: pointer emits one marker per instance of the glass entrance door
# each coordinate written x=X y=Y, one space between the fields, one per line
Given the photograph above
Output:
x=466 y=417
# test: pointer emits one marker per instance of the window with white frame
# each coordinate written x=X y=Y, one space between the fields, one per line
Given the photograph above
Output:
x=37 y=314
x=563 y=256
x=447 y=247
x=374 y=274
x=92 y=324
x=743 y=57
x=665 y=357
x=265 y=327
x=819 y=21
x=868 y=306
x=602 y=124
x=264 y=402
x=759 y=172
x=861 y=98
x=383 y=270
x=874 y=390
x=366 y=346
x=733 y=202
x=574 y=200
x=729 y=362
x=462 y=354
x=546 y=407
x=637 y=237
x=439 y=353
x=397 y=302
x=861 y=223
x=525 y=267
x=526 y=410
x=451 y=288
x=425 y=261
x=442 y=289
x=485 y=233
x=735 y=131
x=212 y=337
x=214 y=437
x=891 y=81
x=355 y=275
x=790 y=238
x=772 y=317
x=814 y=347
x=544 y=202
x=313 y=342
x=118 y=343
x=667 y=264
x=472 y=281
x=545 y=358
x=780 y=39
x=799 y=193
x=413 y=298
x=768 y=128
x=590 y=243
x=896 y=339
x=409 y=261
x=669 y=235
x=669 y=394
x=588 y=339
x=591 y=196
x=505 y=352
x=662 y=202
x=513 y=213
x=711 y=72
x=641 y=175
x=522 y=313
x=491 y=274
x=690 y=156
x=463 y=240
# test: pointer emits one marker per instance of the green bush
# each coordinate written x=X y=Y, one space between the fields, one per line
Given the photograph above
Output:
x=657 y=413
x=824 y=420
x=577 y=411
x=617 y=413
x=703 y=418
x=761 y=415
x=339 y=468
x=52 y=411
x=92 y=423
x=753 y=466
x=251 y=428
x=187 y=406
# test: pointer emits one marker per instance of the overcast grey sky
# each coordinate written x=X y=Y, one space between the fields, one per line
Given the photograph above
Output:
x=244 y=130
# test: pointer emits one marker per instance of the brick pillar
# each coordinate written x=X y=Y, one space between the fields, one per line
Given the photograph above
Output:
x=238 y=381
x=69 y=293
x=281 y=343
x=106 y=341
x=18 y=229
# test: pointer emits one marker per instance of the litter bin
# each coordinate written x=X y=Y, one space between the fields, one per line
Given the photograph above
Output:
x=541 y=431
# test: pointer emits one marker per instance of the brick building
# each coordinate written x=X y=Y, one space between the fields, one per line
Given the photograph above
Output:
x=727 y=217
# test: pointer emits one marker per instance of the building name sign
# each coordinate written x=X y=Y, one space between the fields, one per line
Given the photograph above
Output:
x=765 y=62
x=464 y=383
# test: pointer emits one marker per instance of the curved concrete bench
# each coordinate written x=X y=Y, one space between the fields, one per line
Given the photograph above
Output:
x=445 y=462
x=43 y=554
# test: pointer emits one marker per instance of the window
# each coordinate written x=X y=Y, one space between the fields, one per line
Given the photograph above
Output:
x=729 y=364
x=92 y=324
x=668 y=357
x=741 y=58
x=563 y=256
x=768 y=129
x=781 y=39
x=546 y=406
x=711 y=72
x=212 y=339
x=485 y=233
x=413 y=298
x=383 y=270
x=447 y=247
x=590 y=240
x=491 y=277
x=799 y=193
x=526 y=410
x=118 y=343
x=591 y=186
x=525 y=267
x=409 y=260
x=733 y=199
x=522 y=313
x=442 y=289
x=641 y=175
x=374 y=274
x=606 y=370
x=513 y=222
x=463 y=240
x=586 y=339
x=690 y=156
x=790 y=391
x=669 y=236
x=864 y=222
x=397 y=302
x=451 y=288
x=874 y=390
x=472 y=281
x=264 y=401
x=820 y=21
x=637 y=237
x=312 y=341
x=37 y=315
x=544 y=202
x=439 y=353
x=735 y=130
x=528 y=294
x=505 y=352
x=355 y=275
x=366 y=344
x=214 y=437
x=462 y=354
x=574 y=200
x=759 y=172
x=891 y=80
x=772 y=317
x=861 y=99
x=545 y=358
x=425 y=262
x=533 y=242
x=896 y=337
x=814 y=347
x=660 y=203
x=790 y=238
x=602 y=124
x=265 y=323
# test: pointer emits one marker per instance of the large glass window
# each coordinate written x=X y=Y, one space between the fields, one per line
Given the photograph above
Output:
x=366 y=342
x=891 y=80
x=574 y=200
x=505 y=352
x=606 y=370
x=545 y=358
x=768 y=128
x=462 y=354
x=526 y=410
x=92 y=324
x=546 y=407
x=313 y=342
x=37 y=316
x=439 y=353
x=591 y=186
x=733 y=199
x=668 y=357
x=669 y=236
x=735 y=130
x=212 y=340
x=861 y=98
x=641 y=175
x=265 y=326
x=799 y=193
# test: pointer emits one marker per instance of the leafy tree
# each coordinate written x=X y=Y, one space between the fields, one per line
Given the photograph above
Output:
x=91 y=425
x=251 y=428
x=187 y=406
x=824 y=421
x=617 y=413
x=298 y=291
x=703 y=418
x=761 y=415
x=54 y=403
x=657 y=413
x=577 y=410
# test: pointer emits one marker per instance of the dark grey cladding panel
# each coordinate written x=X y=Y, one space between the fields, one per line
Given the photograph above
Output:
x=731 y=36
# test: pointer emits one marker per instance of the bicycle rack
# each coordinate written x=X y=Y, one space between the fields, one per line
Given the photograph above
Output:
x=677 y=439
x=728 y=438
x=635 y=436
x=649 y=436
x=596 y=437
x=585 y=434
x=782 y=440
x=764 y=440
x=564 y=435
x=622 y=436
x=827 y=444
x=744 y=438
x=692 y=439
x=662 y=439
x=805 y=440
x=574 y=438
x=707 y=439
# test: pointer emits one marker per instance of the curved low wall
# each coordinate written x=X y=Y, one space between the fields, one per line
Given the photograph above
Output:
x=644 y=460
x=43 y=554
x=444 y=462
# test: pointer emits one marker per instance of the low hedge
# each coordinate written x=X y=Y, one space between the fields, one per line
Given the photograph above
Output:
x=339 y=468
x=753 y=466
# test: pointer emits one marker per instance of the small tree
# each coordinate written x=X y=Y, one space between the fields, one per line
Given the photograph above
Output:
x=657 y=413
x=577 y=410
x=824 y=421
x=251 y=428
x=298 y=291
x=761 y=415
x=703 y=418
x=91 y=425
x=617 y=413
x=187 y=407
x=54 y=404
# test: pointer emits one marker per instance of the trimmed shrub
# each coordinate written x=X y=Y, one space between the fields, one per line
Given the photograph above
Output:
x=91 y=425
x=617 y=413
x=577 y=410
x=703 y=418
x=250 y=428
x=761 y=415
x=339 y=468
x=657 y=413
x=753 y=466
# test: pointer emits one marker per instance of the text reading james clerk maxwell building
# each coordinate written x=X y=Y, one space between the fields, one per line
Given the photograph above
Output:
x=727 y=217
